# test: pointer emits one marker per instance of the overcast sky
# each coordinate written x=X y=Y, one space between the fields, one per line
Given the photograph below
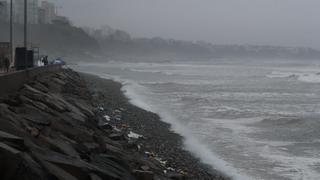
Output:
x=271 y=22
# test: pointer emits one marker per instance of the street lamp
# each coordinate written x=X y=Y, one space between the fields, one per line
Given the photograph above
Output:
x=11 y=32
x=25 y=32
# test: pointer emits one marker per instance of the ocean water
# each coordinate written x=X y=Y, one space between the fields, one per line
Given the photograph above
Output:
x=251 y=119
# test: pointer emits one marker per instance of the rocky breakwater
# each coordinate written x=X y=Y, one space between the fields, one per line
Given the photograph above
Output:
x=60 y=126
x=49 y=129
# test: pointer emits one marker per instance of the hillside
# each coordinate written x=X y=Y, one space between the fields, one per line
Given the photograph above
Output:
x=119 y=44
x=56 y=39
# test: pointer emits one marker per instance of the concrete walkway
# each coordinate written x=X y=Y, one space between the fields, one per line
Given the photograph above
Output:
x=12 y=81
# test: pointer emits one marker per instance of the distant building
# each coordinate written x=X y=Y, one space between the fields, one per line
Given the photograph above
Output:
x=61 y=20
x=48 y=12
x=33 y=11
x=4 y=11
x=5 y=49
x=42 y=14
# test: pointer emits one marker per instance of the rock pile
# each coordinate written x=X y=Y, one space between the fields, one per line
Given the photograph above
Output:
x=50 y=129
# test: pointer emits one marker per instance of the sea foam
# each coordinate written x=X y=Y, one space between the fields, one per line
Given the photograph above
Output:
x=138 y=94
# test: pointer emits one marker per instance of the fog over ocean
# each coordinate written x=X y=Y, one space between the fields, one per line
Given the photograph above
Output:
x=247 y=118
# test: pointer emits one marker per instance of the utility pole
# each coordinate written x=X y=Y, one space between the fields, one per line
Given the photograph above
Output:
x=26 y=32
x=11 y=32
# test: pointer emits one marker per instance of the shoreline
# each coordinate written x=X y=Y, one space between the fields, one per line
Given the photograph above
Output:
x=66 y=125
x=158 y=137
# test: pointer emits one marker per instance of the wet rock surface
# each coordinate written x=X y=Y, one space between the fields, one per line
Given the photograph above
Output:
x=63 y=126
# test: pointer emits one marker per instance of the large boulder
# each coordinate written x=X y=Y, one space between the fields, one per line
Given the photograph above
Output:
x=9 y=158
x=13 y=140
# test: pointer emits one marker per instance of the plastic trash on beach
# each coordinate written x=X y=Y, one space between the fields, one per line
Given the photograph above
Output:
x=58 y=61
x=162 y=162
x=134 y=135
x=149 y=154
x=117 y=117
x=116 y=129
x=100 y=108
x=107 y=118
x=125 y=126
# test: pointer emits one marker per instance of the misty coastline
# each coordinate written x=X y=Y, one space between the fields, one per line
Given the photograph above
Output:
x=159 y=90
x=66 y=125
x=114 y=44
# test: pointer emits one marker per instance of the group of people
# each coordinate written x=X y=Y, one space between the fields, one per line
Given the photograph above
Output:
x=4 y=63
x=44 y=60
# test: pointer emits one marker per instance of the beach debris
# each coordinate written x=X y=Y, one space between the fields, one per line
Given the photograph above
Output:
x=138 y=147
x=162 y=162
x=117 y=117
x=183 y=173
x=34 y=131
x=125 y=126
x=134 y=135
x=149 y=155
x=100 y=108
x=116 y=129
x=107 y=118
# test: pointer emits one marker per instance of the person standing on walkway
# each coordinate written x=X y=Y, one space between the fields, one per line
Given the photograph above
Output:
x=7 y=63
x=45 y=60
x=1 y=62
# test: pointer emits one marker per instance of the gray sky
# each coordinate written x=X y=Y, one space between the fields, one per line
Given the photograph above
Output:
x=274 y=22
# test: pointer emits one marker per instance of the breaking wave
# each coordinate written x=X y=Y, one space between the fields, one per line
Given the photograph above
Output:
x=312 y=77
x=138 y=94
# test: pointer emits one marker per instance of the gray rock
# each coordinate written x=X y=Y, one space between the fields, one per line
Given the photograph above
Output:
x=62 y=166
x=36 y=104
x=176 y=176
x=143 y=175
x=94 y=177
x=65 y=166
x=9 y=121
x=57 y=172
x=10 y=161
x=84 y=108
x=29 y=169
x=113 y=164
x=63 y=147
x=51 y=100
x=39 y=86
x=117 y=136
x=35 y=116
x=145 y=168
x=12 y=101
x=92 y=146
x=106 y=126
x=58 y=81
x=12 y=139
